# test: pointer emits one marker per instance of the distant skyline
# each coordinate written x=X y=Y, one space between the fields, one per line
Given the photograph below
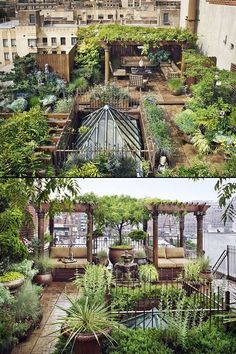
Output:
x=182 y=189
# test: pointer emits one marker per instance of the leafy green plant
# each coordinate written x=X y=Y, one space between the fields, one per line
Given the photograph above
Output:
x=6 y=299
x=27 y=304
x=33 y=101
x=148 y=273
x=11 y=249
x=83 y=129
x=9 y=276
x=84 y=316
x=96 y=280
x=187 y=121
x=192 y=272
x=140 y=254
x=98 y=232
x=137 y=235
x=108 y=93
x=175 y=85
x=102 y=255
x=43 y=265
x=25 y=268
x=204 y=263
x=201 y=143
x=63 y=105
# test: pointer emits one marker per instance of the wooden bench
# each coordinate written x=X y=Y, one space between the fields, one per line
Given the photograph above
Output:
x=117 y=72
x=170 y=71
x=133 y=61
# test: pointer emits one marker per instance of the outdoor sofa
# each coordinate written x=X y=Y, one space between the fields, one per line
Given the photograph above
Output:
x=63 y=268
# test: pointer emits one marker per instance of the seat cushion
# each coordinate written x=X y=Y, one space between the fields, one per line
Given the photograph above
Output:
x=165 y=263
x=175 y=252
x=80 y=263
x=161 y=252
x=179 y=262
x=58 y=264
x=59 y=252
x=79 y=252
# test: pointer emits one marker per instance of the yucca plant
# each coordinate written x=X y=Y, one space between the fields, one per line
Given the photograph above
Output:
x=85 y=318
x=148 y=273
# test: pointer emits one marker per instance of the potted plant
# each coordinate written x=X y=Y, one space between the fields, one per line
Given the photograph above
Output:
x=12 y=280
x=176 y=86
x=191 y=277
x=117 y=250
x=86 y=324
x=140 y=257
x=44 y=266
x=102 y=257
x=148 y=273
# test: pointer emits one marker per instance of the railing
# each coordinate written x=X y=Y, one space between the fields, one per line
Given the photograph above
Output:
x=219 y=262
x=149 y=304
x=225 y=265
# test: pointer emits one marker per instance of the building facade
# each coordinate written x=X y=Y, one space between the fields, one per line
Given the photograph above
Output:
x=216 y=28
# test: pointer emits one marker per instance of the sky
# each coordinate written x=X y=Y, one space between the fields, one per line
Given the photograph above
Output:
x=182 y=189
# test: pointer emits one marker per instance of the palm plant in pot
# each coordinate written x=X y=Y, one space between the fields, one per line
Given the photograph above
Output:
x=44 y=265
x=86 y=324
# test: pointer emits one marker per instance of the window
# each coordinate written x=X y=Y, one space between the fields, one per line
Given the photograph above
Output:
x=100 y=17
x=130 y=3
x=63 y=52
x=54 y=52
x=110 y=17
x=73 y=40
x=6 y=56
x=53 y=40
x=136 y=3
x=13 y=42
x=166 y=18
x=121 y=16
x=32 y=18
x=45 y=41
x=32 y=43
x=14 y=56
x=5 y=42
x=63 y=41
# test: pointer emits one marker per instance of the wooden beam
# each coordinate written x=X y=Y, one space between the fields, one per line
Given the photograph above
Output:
x=199 y=216
x=41 y=217
x=89 y=238
x=107 y=66
x=181 y=230
x=155 y=239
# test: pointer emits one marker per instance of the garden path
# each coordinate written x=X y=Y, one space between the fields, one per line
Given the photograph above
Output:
x=42 y=341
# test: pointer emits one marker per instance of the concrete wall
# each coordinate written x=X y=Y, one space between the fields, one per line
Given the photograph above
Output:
x=216 y=30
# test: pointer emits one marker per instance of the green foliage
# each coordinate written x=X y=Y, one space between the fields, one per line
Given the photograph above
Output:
x=12 y=249
x=89 y=169
x=33 y=102
x=226 y=193
x=157 y=125
x=20 y=135
x=108 y=93
x=80 y=83
x=186 y=121
x=63 y=105
x=9 y=276
x=43 y=264
x=159 y=56
x=192 y=272
x=27 y=304
x=6 y=299
x=140 y=254
x=175 y=85
x=18 y=105
x=148 y=273
x=137 y=235
x=25 y=268
x=96 y=280
x=201 y=143
x=204 y=263
x=102 y=255
x=196 y=64
x=138 y=342
x=98 y=232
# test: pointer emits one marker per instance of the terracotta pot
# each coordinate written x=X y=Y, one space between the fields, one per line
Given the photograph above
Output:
x=13 y=285
x=116 y=253
x=43 y=279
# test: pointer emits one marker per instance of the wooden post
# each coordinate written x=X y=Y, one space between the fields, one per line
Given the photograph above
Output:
x=199 y=216
x=51 y=229
x=107 y=66
x=155 y=239
x=192 y=15
x=145 y=227
x=41 y=216
x=181 y=230
x=182 y=62
x=89 y=237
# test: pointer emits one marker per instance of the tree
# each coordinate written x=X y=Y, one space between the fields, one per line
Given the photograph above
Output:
x=118 y=211
x=226 y=196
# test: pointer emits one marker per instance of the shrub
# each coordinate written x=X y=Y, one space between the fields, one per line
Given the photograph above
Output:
x=43 y=264
x=175 y=84
x=6 y=299
x=148 y=273
x=137 y=235
x=108 y=93
x=186 y=121
x=64 y=105
x=25 y=268
x=9 y=276
x=33 y=101
x=12 y=249
x=201 y=143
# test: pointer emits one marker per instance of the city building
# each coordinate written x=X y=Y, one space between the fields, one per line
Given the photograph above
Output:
x=214 y=22
x=37 y=33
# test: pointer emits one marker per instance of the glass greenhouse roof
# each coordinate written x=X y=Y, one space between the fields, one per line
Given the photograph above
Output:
x=109 y=129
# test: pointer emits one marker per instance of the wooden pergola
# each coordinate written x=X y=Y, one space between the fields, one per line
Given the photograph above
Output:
x=107 y=46
x=77 y=207
x=180 y=209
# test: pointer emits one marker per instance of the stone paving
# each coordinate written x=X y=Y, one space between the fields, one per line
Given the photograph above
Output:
x=42 y=340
